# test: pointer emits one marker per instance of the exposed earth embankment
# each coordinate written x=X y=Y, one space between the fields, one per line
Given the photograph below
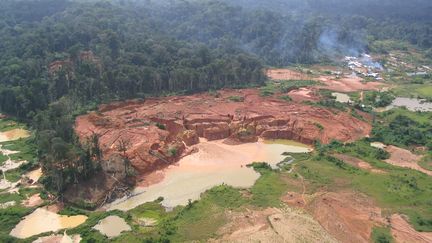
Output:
x=159 y=131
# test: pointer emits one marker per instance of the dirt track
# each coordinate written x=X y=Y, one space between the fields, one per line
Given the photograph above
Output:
x=158 y=131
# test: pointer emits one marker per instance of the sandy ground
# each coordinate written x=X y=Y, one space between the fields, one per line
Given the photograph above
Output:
x=404 y=158
x=33 y=201
x=14 y=134
x=272 y=225
x=34 y=175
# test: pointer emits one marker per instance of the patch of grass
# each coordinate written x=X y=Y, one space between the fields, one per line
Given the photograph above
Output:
x=319 y=126
x=3 y=158
x=284 y=86
x=404 y=128
x=9 y=124
x=414 y=90
x=161 y=126
x=26 y=147
x=226 y=197
x=13 y=175
x=152 y=210
x=266 y=91
x=236 y=98
x=201 y=219
x=72 y=211
x=381 y=235
x=420 y=222
x=268 y=188
x=7 y=197
x=285 y=98
x=27 y=192
x=426 y=162
x=424 y=91
x=9 y=218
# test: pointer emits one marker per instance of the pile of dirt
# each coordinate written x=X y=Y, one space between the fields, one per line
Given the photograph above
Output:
x=404 y=158
x=157 y=132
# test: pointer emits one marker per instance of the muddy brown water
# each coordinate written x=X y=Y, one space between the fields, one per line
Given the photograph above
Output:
x=112 y=226
x=216 y=163
x=42 y=220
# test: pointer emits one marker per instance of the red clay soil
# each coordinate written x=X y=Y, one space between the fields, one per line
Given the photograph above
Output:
x=158 y=131
x=347 y=216
x=350 y=217
x=403 y=232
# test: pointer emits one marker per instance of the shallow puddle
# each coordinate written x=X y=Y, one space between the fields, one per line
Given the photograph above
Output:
x=112 y=226
x=42 y=220
x=215 y=163
x=411 y=104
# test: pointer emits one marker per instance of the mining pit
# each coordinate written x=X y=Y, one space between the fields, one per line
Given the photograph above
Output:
x=157 y=132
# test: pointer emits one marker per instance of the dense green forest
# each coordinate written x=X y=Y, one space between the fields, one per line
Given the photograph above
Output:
x=60 y=58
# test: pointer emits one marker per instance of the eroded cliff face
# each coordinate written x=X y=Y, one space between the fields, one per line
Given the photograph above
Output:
x=159 y=131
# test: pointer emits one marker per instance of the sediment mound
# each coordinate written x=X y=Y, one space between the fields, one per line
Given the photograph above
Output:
x=159 y=131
